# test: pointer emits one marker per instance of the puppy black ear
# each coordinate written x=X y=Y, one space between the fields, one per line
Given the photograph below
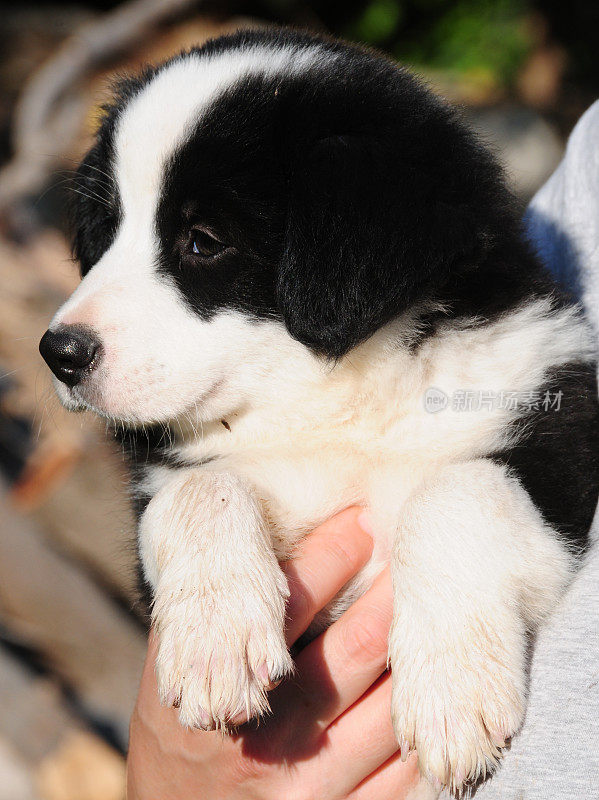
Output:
x=374 y=225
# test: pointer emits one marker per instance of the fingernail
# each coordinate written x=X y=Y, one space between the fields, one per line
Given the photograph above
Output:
x=206 y=722
x=238 y=719
x=365 y=523
x=263 y=674
x=171 y=697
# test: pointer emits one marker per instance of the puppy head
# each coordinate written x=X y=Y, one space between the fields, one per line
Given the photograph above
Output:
x=251 y=207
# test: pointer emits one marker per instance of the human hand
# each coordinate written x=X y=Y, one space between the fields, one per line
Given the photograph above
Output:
x=330 y=735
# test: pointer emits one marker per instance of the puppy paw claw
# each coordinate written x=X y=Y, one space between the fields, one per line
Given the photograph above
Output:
x=216 y=663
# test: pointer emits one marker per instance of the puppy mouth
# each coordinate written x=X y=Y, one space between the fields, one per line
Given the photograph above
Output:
x=69 y=397
x=84 y=397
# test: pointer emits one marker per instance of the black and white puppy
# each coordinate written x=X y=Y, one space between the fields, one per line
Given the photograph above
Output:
x=304 y=287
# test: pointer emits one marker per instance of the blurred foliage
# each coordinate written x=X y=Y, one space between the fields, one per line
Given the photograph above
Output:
x=488 y=40
x=378 y=22
x=475 y=51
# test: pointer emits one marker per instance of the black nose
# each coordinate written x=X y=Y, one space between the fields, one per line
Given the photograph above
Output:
x=70 y=352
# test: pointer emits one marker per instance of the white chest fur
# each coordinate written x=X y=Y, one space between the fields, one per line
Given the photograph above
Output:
x=364 y=431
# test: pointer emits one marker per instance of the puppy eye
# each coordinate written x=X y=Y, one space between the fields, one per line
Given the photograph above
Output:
x=204 y=244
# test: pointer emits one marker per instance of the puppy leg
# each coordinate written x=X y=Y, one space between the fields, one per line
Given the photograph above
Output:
x=219 y=599
x=474 y=568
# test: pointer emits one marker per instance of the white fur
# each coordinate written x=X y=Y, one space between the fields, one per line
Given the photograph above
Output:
x=219 y=598
x=474 y=568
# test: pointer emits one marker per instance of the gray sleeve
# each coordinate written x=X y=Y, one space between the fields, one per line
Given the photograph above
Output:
x=563 y=217
x=556 y=754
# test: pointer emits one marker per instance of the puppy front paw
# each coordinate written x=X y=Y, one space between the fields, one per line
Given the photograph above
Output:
x=457 y=706
x=219 y=652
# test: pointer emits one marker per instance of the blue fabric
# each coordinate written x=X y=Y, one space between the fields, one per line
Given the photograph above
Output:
x=556 y=249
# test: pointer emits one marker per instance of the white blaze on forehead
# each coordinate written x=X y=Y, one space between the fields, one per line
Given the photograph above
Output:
x=152 y=126
x=163 y=115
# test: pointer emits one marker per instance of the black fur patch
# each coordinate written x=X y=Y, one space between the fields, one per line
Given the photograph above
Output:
x=557 y=457
x=347 y=194
x=227 y=178
x=150 y=445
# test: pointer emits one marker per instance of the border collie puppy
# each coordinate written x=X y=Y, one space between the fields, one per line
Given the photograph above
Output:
x=305 y=286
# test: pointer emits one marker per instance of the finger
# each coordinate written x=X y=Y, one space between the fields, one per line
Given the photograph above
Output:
x=362 y=738
x=340 y=665
x=397 y=779
x=328 y=558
